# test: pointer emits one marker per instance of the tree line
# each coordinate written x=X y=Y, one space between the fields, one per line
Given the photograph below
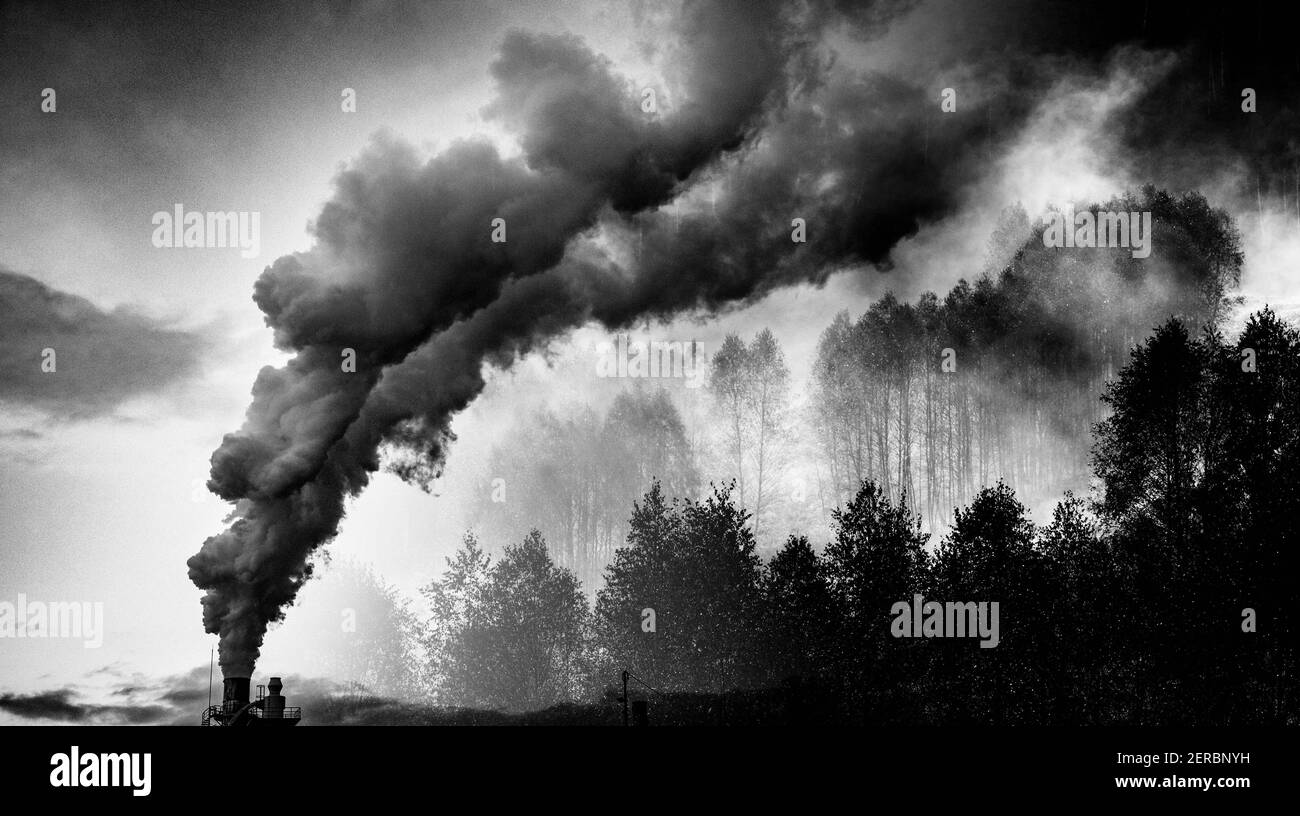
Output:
x=998 y=379
x=1169 y=597
x=1162 y=597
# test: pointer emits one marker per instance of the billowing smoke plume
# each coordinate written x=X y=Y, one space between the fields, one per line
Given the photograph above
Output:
x=765 y=130
x=405 y=274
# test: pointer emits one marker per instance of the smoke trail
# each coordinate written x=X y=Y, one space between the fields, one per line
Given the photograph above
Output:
x=404 y=263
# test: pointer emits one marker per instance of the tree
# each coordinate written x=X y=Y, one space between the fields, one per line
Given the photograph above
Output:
x=1151 y=451
x=511 y=635
x=751 y=386
x=987 y=557
x=1088 y=609
x=644 y=440
x=800 y=623
x=1198 y=465
x=876 y=559
x=837 y=406
x=693 y=564
x=640 y=577
x=720 y=582
x=536 y=621
x=457 y=602
x=573 y=477
x=768 y=405
x=729 y=383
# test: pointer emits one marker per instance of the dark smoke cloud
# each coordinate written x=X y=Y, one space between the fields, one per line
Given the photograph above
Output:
x=103 y=358
x=51 y=705
x=870 y=159
x=865 y=162
x=60 y=705
x=403 y=260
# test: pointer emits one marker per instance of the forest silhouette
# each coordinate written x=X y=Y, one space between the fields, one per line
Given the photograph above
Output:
x=1165 y=596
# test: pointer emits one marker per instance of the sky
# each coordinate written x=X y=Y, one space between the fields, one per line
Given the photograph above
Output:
x=675 y=229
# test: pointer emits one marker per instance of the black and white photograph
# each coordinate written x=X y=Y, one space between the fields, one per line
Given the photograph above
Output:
x=917 y=367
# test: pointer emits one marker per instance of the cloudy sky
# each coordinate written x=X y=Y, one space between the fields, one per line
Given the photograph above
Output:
x=374 y=235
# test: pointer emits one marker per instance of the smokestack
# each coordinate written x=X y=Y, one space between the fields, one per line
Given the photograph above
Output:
x=273 y=704
x=234 y=694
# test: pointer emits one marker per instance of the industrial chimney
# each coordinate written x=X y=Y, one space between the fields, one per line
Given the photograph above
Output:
x=273 y=703
x=237 y=709
x=234 y=695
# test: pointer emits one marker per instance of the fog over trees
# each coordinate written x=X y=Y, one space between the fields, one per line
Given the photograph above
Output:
x=1159 y=589
x=999 y=378
x=574 y=477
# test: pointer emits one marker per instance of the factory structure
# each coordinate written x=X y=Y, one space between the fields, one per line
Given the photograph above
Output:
x=237 y=709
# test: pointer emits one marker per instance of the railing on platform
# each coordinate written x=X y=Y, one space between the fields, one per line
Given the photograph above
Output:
x=289 y=713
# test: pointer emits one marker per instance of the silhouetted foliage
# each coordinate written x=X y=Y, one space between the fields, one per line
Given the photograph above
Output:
x=1198 y=463
x=509 y=636
x=1132 y=606
x=693 y=564
x=799 y=615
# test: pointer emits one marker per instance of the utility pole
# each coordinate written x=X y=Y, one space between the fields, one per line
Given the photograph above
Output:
x=624 y=698
x=640 y=710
